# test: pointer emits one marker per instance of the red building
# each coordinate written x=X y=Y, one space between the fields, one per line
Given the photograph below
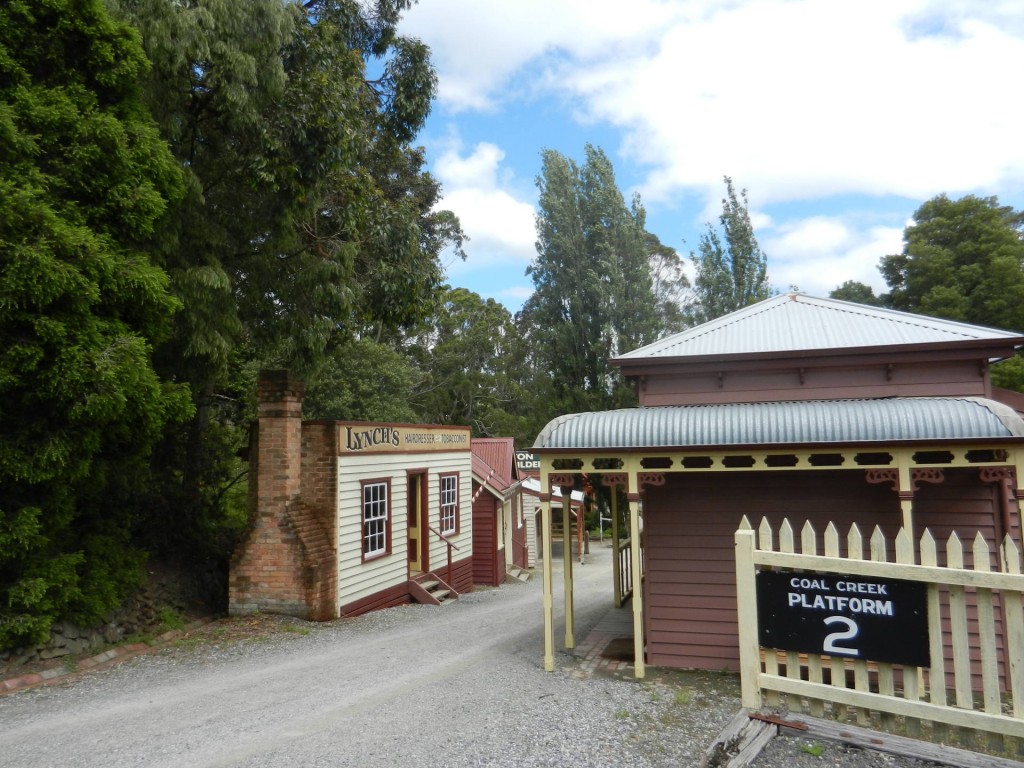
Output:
x=799 y=408
x=499 y=529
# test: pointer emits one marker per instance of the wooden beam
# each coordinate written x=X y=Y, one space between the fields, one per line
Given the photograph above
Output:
x=863 y=738
x=635 y=537
x=570 y=632
x=548 y=570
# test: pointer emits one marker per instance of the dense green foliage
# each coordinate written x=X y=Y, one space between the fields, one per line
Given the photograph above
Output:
x=732 y=270
x=190 y=192
x=470 y=380
x=962 y=260
x=84 y=178
x=858 y=292
x=308 y=220
x=364 y=380
x=670 y=285
x=593 y=290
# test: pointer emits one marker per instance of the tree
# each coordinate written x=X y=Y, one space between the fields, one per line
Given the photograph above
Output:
x=858 y=293
x=592 y=278
x=84 y=178
x=964 y=260
x=961 y=260
x=467 y=355
x=308 y=220
x=669 y=284
x=730 y=273
x=364 y=380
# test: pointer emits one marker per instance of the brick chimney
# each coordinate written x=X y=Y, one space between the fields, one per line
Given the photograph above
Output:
x=267 y=568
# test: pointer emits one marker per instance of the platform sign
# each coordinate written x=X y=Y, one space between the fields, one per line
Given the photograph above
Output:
x=855 y=617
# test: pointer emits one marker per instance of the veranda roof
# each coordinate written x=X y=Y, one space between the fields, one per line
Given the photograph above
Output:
x=887 y=420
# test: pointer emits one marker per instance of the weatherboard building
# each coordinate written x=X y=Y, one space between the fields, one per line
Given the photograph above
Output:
x=796 y=407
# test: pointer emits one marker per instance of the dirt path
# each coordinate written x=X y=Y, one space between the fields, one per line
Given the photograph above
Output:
x=457 y=684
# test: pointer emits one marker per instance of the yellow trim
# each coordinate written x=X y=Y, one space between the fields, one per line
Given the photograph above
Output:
x=901 y=459
x=638 y=585
x=567 y=542
x=549 y=602
x=803 y=456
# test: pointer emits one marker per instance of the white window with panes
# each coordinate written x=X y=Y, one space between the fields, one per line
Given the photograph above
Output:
x=375 y=519
x=449 y=504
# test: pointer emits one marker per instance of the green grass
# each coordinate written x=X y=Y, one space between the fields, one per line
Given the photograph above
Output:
x=814 y=749
x=683 y=697
x=170 y=619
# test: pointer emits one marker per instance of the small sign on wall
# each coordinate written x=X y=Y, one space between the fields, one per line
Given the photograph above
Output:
x=527 y=462
x=855 y=617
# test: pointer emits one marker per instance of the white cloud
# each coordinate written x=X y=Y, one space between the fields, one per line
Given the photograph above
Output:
x=805 y=99
x=479 y=46
x=794 y=99
x=820 y=253
x=806 y=103
x=500 y=226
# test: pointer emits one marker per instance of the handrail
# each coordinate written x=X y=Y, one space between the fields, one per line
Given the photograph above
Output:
x=450 y=545
x=442 y=537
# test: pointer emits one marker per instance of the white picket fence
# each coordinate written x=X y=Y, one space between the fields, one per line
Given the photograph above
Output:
x=973 y=605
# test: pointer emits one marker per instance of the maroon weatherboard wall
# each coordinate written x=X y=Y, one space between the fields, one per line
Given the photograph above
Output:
x=689 y=527
x=487 y=570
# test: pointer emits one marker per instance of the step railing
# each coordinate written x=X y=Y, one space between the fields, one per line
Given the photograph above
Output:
x=624 y=564
x=450 y=546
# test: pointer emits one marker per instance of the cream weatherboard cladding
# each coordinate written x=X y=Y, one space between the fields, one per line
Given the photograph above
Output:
x=359 y=579
x=304 y=553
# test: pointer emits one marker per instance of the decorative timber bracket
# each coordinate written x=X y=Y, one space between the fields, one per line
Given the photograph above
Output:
x=650 y=478
x=564 y=480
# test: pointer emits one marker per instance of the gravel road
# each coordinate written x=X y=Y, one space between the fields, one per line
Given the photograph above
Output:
x=458 y=685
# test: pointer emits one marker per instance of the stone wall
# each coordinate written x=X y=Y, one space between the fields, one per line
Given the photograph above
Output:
x=169 y=591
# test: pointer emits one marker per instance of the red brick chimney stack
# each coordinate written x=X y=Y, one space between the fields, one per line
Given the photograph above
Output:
x=266 y=573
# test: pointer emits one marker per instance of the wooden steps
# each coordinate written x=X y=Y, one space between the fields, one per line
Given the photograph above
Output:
x=428 y=589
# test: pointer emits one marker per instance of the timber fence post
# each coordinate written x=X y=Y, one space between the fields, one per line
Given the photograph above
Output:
x=746 y=604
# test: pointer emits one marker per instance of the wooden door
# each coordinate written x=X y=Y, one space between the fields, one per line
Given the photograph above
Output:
x=416 y=534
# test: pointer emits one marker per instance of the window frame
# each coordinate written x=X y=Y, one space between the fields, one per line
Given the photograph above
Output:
x=454 y=505
x=387 y=517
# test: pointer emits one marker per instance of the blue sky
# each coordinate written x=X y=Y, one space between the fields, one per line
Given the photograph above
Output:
x=840 y=117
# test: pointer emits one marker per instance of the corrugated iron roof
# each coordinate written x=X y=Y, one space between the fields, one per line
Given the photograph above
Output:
x=796 y=322
x=895 y=419
x=494 y=461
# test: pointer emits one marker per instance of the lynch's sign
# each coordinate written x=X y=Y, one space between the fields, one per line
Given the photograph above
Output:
x=850 y=616
x=400 y=438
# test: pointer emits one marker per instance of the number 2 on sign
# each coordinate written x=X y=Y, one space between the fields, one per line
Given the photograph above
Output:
x=849 y=633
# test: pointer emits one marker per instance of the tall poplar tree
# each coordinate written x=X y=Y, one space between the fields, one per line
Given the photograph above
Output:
x=592 y=279
x=731 y=268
